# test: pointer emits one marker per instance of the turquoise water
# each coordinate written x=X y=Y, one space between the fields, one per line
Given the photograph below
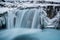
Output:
x=30 y=34
x=48 y=34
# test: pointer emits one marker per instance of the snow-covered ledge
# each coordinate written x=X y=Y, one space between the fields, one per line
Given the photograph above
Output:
x=4 y=9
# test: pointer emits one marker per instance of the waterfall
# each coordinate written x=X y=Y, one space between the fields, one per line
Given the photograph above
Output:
x=11 y=16
x=29 y=18
x=35 y=19
x=20 y=15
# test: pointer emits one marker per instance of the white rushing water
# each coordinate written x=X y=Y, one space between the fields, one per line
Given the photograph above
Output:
x=30 y=18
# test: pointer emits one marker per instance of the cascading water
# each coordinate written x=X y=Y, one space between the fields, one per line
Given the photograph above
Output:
x=11 y=16
x=28 y=18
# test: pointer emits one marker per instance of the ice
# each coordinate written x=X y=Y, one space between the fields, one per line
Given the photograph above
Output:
x=2 y=10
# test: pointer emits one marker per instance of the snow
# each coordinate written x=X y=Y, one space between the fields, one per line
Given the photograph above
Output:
x=2 y=10
x=34 y=0
x=53 y=0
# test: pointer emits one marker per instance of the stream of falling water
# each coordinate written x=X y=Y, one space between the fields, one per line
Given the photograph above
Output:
x=30 y=18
